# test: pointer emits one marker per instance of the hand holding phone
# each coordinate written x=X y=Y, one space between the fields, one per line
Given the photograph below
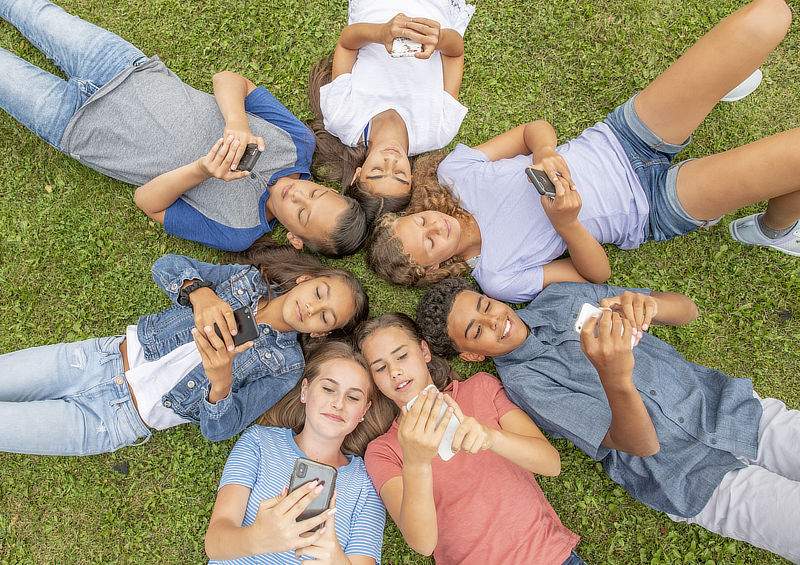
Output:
x=541 y=182
x=589 y=310
x=405 y=47
x=445 y=450
x=249 y=158
x=246 y=326
x=306 y=471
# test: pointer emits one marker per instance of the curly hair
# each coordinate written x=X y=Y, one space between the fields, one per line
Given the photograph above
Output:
x=384 y=250
x=282 y=265
x=433 y=311
x=440 y=370
x=289 y=412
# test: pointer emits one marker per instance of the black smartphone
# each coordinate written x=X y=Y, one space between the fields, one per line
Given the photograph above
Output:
x=246 y=326
x=305 y=471
x=541 y=181
x=249 y=158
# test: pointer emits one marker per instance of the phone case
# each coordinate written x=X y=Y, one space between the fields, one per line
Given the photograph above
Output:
x=445 y=446
x=541 y=182
x=587 y=311
x=249 y=158
x=305 y=471
x=246 y=326
x=405 y=47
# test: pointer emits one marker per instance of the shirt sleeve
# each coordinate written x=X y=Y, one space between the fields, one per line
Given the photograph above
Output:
x=368 y=521
x=263 y=104
x=495 y=391
x=171 y=271
x=241 y=468
x=383 y=462
x=184 y=221
x=517 y=287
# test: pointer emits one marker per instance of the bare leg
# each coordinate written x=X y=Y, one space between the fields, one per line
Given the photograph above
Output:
x=768 y=169
x=675 y=103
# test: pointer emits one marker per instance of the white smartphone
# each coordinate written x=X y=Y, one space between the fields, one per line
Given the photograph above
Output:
x=587 y=311
x=445 y=446
x=405 y=47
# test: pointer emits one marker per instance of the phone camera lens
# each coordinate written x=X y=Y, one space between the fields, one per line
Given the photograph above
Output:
x=301 y=470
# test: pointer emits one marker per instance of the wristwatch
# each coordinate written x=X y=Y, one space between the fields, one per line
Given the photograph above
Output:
x=183 y=295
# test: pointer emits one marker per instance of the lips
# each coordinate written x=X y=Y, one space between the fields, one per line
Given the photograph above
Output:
x=507 y=329
x=447 y=225
x=403 y=386
x=299 y=313
x=333 y=417
x=286 y=190
x=394 y=150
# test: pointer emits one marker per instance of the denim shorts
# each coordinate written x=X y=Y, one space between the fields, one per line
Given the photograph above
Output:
x=651 y=159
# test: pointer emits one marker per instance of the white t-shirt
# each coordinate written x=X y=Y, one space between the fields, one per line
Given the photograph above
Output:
x=517 y=238
x=413 y=87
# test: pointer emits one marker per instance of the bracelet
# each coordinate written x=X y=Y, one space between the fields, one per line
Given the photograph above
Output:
x=183 y=295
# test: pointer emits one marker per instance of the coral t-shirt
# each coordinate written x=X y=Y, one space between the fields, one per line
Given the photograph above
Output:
x=488 y=509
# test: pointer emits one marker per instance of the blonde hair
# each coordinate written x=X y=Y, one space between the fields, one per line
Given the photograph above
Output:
x=289 y=412
x=384 y=251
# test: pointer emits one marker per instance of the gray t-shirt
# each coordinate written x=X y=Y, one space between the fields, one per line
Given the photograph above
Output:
x=146 y=121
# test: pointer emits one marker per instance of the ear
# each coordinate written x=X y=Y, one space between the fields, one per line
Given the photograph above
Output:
x=426 y=351
x=472 y=357
x=318 y=334
x=303 y=390
x=303 y=278
x=369 y=404
x=356 y=174
x=296 y=242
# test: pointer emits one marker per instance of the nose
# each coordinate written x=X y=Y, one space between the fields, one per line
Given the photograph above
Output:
x=395 y=371
x=312 y=308
x=337 y=402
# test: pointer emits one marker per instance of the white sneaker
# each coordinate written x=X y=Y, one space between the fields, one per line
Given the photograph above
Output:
x=747 y=86
x=746 y=230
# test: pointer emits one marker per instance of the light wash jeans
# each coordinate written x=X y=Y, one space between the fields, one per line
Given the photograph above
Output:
x=67 y=399
x=760 y=504
x=88 y=55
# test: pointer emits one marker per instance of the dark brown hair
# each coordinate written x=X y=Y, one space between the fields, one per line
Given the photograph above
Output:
x=289 y=412
x=441 y=372
x=281 y=265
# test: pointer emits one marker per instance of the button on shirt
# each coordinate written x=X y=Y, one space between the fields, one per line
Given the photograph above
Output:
x=703 y=417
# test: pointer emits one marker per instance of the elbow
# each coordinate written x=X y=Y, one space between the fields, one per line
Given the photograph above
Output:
x=222 y=75
x=601 y=275
x=648 y=450
x=425 y=548
x=692 y=311
x=211 y=549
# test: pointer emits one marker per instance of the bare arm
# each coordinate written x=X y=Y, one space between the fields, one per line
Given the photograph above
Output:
x=674 y=308
x=631 y=428
x=521 y=442
x=668 y=308
x=230 y=91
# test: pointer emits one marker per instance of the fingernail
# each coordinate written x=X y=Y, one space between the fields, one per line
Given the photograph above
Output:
x=194 y=330
x=318 y=489
x=440 y=395
x=234 y=332
x=209 y=329
x=424 y=393
x=645 y=327
x=332 y=511
x=236 y=143
x=230 y=137
x=230 y=348
x=312 y=484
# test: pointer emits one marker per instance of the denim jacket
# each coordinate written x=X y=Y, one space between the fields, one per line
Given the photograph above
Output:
x=261 y=375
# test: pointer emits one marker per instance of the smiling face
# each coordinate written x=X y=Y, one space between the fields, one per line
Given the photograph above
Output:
x=429 y=237
x=398 y=364
x=480 y=325
x=318 y=305
x=386 y=171
x=337 y=399
x=306 y=209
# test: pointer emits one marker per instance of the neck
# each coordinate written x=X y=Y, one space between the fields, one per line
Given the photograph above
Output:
x=469 y=244
x=272 y=313
x=324 y=450
x=388 y=128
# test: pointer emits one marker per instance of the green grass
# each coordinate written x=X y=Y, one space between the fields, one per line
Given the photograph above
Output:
x=75 y=255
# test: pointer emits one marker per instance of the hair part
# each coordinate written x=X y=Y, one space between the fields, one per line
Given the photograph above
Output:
x=349 y=235
x=290 y=412
x=282 y=265
x=440 y=370
x=434 y=310
x=375 y=205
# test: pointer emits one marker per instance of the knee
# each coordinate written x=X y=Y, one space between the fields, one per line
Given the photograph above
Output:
x=769 y=20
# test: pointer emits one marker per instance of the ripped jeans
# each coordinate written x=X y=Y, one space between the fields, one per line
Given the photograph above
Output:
x=67 y=399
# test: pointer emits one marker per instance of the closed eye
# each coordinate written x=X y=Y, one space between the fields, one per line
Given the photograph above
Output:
x=379 y=368
x=353 y=398
x=327 y=389
x=403 y=356
x=477 y=332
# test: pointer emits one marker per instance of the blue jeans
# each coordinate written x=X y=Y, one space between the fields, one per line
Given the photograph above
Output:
x=67 y=399
x=573 y=559
x=88 y=55
x=651 y=158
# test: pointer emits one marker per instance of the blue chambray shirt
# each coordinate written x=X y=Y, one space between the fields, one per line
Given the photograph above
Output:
x=703 y=418
x=262 y=375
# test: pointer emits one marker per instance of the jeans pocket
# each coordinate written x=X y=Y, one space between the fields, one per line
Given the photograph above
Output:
x=87 y=87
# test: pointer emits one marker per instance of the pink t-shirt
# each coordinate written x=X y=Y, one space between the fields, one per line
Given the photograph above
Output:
x=488 y=509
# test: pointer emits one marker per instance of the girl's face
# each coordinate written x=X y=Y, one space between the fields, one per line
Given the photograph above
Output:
x=430 y=237
x=398 y=364
x=318 y=305
x=386 y=171
x=337 y=399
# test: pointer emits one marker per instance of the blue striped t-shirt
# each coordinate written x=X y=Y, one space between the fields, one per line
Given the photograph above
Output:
x=263 y=459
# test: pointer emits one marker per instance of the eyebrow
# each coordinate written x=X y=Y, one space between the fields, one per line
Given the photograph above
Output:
x=392 y=353
x=355 y=388
x=328 y=295
x=398 y=179
x=477 y=309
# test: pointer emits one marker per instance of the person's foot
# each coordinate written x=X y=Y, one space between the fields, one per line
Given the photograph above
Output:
x=746 y=230
x=744 y=88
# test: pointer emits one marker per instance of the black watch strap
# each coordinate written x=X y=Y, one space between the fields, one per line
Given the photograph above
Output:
x=183 y=295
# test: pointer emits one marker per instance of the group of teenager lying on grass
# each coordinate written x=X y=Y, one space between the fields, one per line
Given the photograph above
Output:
x=366 y=396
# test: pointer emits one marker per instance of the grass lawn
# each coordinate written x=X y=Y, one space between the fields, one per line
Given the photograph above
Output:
x=75 y=255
